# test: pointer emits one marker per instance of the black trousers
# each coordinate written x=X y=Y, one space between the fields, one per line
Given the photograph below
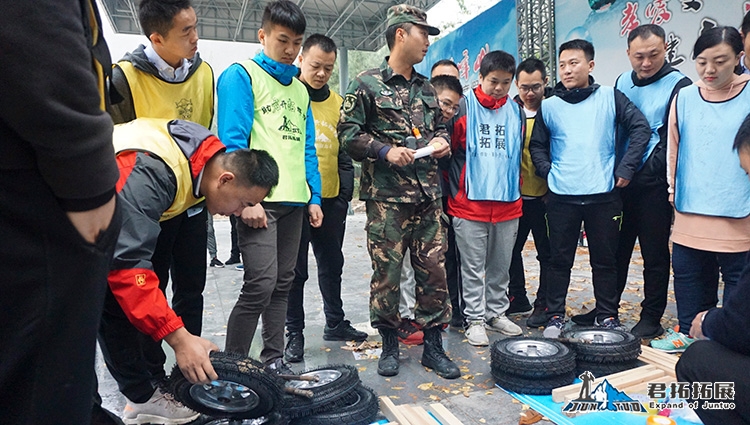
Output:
x=235 y=251
x=533 y=220
x=453 y=267
x=602 y=223
x=326 y=241
x=709 y=361
x=135 y=360
x=52 y=285
x=646 y=215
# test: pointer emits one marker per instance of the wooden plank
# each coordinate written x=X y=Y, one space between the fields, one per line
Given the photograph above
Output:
x=424 y=415
x=652 y=355
x=642 y=387
x=390 y=411
x=560 y=394
x=625 y=381
x=412 y=415
x=443 y=414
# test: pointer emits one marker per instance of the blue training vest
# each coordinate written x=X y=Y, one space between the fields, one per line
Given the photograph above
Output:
x=648 y=99
x=582 y=143
x=708 y=177
x=494 y=143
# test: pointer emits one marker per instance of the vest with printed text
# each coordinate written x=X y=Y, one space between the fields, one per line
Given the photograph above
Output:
x=279 y=128
x=494 y=144
x=326 y=114
x=582 y=143
x=190 y=100
x=652 y=100
x=708 y=176
x=152 y=135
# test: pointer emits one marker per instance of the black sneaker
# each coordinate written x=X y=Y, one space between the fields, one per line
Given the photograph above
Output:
x=457 y=321
x=538 y=317
x=279 y=366
x=586 y=319
x=232 y=260
x=216 y=263
x=295 y=347
x=609 y=323
x=647 y=328
x=518 y=306
x=344 y=331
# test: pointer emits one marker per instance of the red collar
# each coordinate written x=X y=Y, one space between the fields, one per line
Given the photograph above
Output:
x=488 y=101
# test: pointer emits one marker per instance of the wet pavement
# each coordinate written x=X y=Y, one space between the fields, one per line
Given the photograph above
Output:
x=473 y=398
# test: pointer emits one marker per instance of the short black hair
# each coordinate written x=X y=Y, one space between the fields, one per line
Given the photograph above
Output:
x=252 y=167
x=497 y=60
x=286 y=14
x=390 y=33
x=441 y=62
x=442 y=82
x=716 y=36
x=645 y=31
x=742 y=139
x=531 y=65
x=155 y=16
x=578 y=44
x=325 y=44
x=746 y=24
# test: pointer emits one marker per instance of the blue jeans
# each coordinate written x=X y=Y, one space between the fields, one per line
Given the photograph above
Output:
x=696 y=280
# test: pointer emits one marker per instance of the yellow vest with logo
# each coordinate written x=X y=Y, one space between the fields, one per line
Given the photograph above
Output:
x=152 y=135
x=279 y=129
x=189 y=100
x=326 y=114
x=533 y=185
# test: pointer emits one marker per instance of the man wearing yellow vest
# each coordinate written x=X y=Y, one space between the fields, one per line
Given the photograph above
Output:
x=166 y=167
x=261 y=105
x=316 y=64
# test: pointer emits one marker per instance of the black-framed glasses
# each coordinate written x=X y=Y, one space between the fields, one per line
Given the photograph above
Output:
x=448 y=106
x=535 y=88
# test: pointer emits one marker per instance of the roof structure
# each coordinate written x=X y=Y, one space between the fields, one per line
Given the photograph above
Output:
x=353 y=24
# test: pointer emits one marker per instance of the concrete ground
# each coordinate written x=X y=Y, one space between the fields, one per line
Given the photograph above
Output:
x=473 y=398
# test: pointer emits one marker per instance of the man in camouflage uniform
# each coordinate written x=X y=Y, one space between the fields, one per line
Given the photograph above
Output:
x=388 y=113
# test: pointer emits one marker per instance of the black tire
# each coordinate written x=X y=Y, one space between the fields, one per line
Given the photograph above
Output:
x=243 y=391
x=534 y=386
x=604 y=369
x=273 y=418
x=335 y=389
x=532 y=357
x=362 y=410
x=604 y=345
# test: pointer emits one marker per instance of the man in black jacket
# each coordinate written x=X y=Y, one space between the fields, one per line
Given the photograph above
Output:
x=647 y=213
x=58 y=220
x=573 y=146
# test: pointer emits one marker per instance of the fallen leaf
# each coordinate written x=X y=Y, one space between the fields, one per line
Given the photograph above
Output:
x=426 y=386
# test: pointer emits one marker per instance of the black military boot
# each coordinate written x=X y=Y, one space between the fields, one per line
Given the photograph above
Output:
x=388 y=363
x=434 y=357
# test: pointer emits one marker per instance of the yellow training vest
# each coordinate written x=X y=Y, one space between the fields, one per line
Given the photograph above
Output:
x=326 y=114
x=152 y=135
x=533 y=185
x=279 y=128
x=190 y=100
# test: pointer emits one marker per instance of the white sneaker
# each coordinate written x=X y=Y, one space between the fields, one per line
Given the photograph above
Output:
x=159 y=409
x=476 y=333
x=503 y=325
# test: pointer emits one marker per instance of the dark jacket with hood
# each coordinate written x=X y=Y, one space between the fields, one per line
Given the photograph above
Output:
x=654 y=170
x=627 y=117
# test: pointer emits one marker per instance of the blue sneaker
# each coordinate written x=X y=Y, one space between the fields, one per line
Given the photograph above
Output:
x=673 y=342
x=554 y=327
x=609 y=323
x=240 y=267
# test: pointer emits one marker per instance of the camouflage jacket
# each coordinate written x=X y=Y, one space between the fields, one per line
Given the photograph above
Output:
x=380 y=109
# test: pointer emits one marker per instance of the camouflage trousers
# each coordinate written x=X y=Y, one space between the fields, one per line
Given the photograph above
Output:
x=391 y=228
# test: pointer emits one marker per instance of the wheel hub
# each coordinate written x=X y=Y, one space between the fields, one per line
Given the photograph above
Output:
x=225 y=396
x=325 y=377
x=533 y=348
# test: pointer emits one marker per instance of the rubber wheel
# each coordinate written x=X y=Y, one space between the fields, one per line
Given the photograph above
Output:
x=362 y=410
x=243 y=391
x=533 y=386
x=334 y=389
x=604 y=369
x=273 y=418
x=532 y=357
x=604 y=345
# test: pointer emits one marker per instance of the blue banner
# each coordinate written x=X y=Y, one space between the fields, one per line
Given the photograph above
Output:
x=607 y=23
x=494 y=29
